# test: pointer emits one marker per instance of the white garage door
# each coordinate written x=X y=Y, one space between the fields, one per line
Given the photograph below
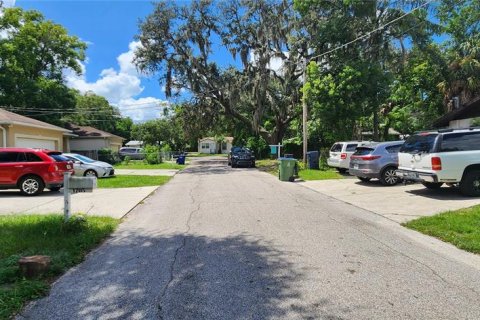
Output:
x=35 y=143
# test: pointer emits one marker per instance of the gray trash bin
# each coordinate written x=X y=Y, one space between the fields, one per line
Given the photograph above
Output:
x=313 y=160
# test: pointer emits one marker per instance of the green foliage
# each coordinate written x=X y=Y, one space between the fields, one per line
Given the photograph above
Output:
x=34 y=56
x=259 y=146
x=161 y=132
x=25 y=235
x=126 y=160
x=107 y=155
x=152 y=154
x=94 y=110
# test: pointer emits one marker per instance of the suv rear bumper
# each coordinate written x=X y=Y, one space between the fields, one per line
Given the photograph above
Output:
x=416 y=176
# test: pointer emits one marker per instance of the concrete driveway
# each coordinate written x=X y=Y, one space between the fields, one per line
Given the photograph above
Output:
x=101 y=202
x=399 y=203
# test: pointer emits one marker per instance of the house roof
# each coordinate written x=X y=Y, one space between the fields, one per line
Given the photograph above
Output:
x=469 y=110
x=227 y=139
x=8 y=118
x=89 y=132
x=134 y=143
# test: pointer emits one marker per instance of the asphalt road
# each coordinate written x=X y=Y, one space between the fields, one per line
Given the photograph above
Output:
x=221 y=243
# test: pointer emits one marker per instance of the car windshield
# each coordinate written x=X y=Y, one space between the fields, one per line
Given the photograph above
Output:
x=419 y=143
x=58 y=157
x=84 y=159
x=337 y=147
x=362 y=151
x=240 y=150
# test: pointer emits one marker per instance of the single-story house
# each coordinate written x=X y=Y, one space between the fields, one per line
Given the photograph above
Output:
x=134 y=144
x=91 y=139
x=24 y=132
x=210 y=145
x=461 y=117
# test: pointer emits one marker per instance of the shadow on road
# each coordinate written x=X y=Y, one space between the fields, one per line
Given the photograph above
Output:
x=178 y=277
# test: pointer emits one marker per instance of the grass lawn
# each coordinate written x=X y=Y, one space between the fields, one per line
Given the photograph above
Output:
x=309 y=174
x=66 y=244
x=271 y=166
x=461 y=228
x=132 y=181
x=142 y=165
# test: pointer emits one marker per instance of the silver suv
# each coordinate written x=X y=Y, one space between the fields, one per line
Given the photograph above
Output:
x=133 y=153
x=376 y=162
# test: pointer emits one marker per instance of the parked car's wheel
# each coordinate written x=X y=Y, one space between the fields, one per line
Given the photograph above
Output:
x=432 y=185
x=388 y=176
x=91 y=173
x=470 y=185
x=54 y=189
x=31 y=185
x=363 y=179
x=234 y=165
x=252 y=165
x=341 y=170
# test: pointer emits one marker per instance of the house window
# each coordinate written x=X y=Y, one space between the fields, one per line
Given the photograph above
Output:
x=224 y=146
x=205 y=145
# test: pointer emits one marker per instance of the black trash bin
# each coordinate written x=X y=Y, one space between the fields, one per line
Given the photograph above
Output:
x=313 y=160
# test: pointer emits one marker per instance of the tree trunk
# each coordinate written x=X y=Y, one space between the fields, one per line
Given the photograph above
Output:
x=375 y=125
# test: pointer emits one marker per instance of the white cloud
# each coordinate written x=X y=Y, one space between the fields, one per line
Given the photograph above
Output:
x=142 y=109
x=8 y=3
x=120 y=87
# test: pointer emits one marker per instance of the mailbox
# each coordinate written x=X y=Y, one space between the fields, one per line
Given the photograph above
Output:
x=82 y=184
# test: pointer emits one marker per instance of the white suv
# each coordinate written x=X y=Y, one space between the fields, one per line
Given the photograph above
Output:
x=341 y=152
x=445 y=156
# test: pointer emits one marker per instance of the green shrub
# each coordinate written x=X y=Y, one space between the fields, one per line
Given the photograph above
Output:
x=126 y=160
x=152 y=154
x=259 y=146
x=107 y=155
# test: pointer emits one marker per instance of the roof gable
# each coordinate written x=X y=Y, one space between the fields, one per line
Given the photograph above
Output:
x=7 y=117
x=89 y=132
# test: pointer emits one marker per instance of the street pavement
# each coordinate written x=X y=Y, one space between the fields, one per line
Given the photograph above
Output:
x=222 y=243
x=115 y=202
x=400 y=203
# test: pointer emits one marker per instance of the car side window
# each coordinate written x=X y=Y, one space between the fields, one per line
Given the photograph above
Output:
x=31 y=157
x=351 y=147
x=460 y=141
x=6 y=157
x=393 y=149
x=337 y=147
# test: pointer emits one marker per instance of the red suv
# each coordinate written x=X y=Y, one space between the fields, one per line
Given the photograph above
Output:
x=32 y=170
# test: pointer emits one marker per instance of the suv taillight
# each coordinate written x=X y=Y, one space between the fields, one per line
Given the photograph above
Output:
x=436 y=163
x=53 y=168
x=343 y=156
x=369 y=158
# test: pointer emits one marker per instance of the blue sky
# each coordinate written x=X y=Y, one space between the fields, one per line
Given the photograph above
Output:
x=109 y=28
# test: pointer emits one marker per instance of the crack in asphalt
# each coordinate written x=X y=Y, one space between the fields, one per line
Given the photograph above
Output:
x=177 y=251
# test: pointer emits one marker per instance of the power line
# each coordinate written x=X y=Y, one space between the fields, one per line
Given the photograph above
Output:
x=368 y=34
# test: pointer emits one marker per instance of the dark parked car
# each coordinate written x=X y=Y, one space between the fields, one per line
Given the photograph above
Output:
x=240 y=156
x=379 y=161
x=32 y=170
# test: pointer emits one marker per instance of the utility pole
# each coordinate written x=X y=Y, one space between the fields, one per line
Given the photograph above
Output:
x=304 y=107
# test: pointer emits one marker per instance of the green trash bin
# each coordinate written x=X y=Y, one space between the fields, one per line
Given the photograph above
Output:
x=286 y=168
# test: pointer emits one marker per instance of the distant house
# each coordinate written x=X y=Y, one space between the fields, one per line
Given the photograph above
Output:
x=134 y=144
x=210 y=145
x=460 y=117
x=92 y=139
x=24 y=132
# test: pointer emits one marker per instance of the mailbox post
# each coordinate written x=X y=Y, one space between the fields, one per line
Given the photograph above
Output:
x=67 y=208
x=75 y=185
